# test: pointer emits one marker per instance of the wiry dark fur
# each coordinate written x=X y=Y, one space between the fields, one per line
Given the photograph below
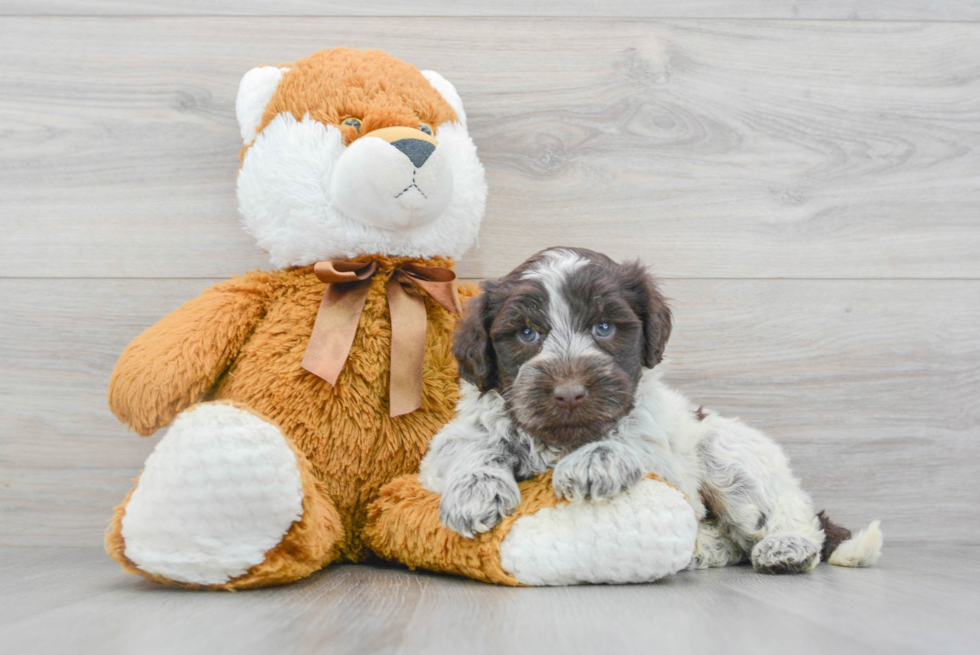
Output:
x=834 y=534
x=522 y=419
x=490 y=355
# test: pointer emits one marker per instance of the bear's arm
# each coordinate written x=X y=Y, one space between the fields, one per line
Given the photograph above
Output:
x=173 y=363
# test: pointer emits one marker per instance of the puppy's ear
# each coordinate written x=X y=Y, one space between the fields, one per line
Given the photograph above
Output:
x=472 y=346
x=645 y=298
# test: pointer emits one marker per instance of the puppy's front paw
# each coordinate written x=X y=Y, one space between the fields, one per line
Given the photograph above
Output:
x=785 y=553
x=476 y=502
x=597 y=472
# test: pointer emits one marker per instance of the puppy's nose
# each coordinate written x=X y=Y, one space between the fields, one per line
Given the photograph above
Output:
x=569 y=393
x=416 y=150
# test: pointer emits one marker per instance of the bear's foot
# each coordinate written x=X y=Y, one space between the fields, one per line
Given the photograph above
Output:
x=224 y=502
x=640 y=535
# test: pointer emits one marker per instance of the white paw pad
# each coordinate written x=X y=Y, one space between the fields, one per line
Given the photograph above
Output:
x=638 y=536
x=219 y=491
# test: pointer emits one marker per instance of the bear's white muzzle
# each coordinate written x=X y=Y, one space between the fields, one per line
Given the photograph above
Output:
x=394 y=178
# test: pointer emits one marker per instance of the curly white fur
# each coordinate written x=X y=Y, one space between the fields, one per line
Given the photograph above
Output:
x=863 y=549
x=761 y=508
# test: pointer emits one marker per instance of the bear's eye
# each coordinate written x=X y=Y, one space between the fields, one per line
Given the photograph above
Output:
x=352 y=122
x=425 y=127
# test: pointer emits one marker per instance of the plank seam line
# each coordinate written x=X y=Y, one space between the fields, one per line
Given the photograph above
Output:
x=477 y=279
x=856 y=21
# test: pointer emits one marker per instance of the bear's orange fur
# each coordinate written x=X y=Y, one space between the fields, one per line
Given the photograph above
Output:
x=376 y=89
x=243 y=341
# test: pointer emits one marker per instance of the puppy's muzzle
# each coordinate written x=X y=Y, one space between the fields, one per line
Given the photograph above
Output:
x=569 y=402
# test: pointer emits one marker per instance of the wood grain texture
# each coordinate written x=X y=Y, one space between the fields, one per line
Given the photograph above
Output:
x=871 y=386
x=944 y=10
x=728 y=151
x=713 y=148
x=917 y=600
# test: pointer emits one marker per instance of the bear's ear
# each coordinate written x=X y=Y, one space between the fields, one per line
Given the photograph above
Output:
x=254 y=93
x=447 y=91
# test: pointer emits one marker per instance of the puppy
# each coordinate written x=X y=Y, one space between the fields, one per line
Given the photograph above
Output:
x=557 y=360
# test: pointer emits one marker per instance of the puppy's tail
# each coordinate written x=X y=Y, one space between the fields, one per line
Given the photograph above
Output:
x=840 y=548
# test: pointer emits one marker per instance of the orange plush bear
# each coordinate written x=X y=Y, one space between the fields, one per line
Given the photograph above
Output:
x=360 y=180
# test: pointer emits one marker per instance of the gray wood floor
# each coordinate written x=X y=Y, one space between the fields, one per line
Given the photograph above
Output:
x=919 y=600
x=804 y=175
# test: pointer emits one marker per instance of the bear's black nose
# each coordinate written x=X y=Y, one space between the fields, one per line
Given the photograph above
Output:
x=416 y=150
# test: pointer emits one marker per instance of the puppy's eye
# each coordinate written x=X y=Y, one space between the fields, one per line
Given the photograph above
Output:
x=603 y=330
x=352 y=122
x=528 y=335
x=425 y=127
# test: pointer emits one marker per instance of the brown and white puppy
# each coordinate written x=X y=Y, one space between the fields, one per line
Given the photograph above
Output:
x=566 y=336
x=558 y=359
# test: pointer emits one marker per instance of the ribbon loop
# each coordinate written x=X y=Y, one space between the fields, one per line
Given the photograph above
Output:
x=439 y=283
x=333 y=272
x=340 y=312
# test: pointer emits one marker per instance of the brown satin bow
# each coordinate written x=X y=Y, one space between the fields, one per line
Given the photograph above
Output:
x=340 y=311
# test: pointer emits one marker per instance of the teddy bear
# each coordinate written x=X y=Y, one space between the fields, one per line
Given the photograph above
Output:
x=360 y=180
x=298 y=402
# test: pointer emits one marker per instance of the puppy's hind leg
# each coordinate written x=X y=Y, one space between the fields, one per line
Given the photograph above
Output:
x=715 y=547
x=750 y=487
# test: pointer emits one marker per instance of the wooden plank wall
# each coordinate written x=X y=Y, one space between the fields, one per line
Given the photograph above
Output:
x=804 y=176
